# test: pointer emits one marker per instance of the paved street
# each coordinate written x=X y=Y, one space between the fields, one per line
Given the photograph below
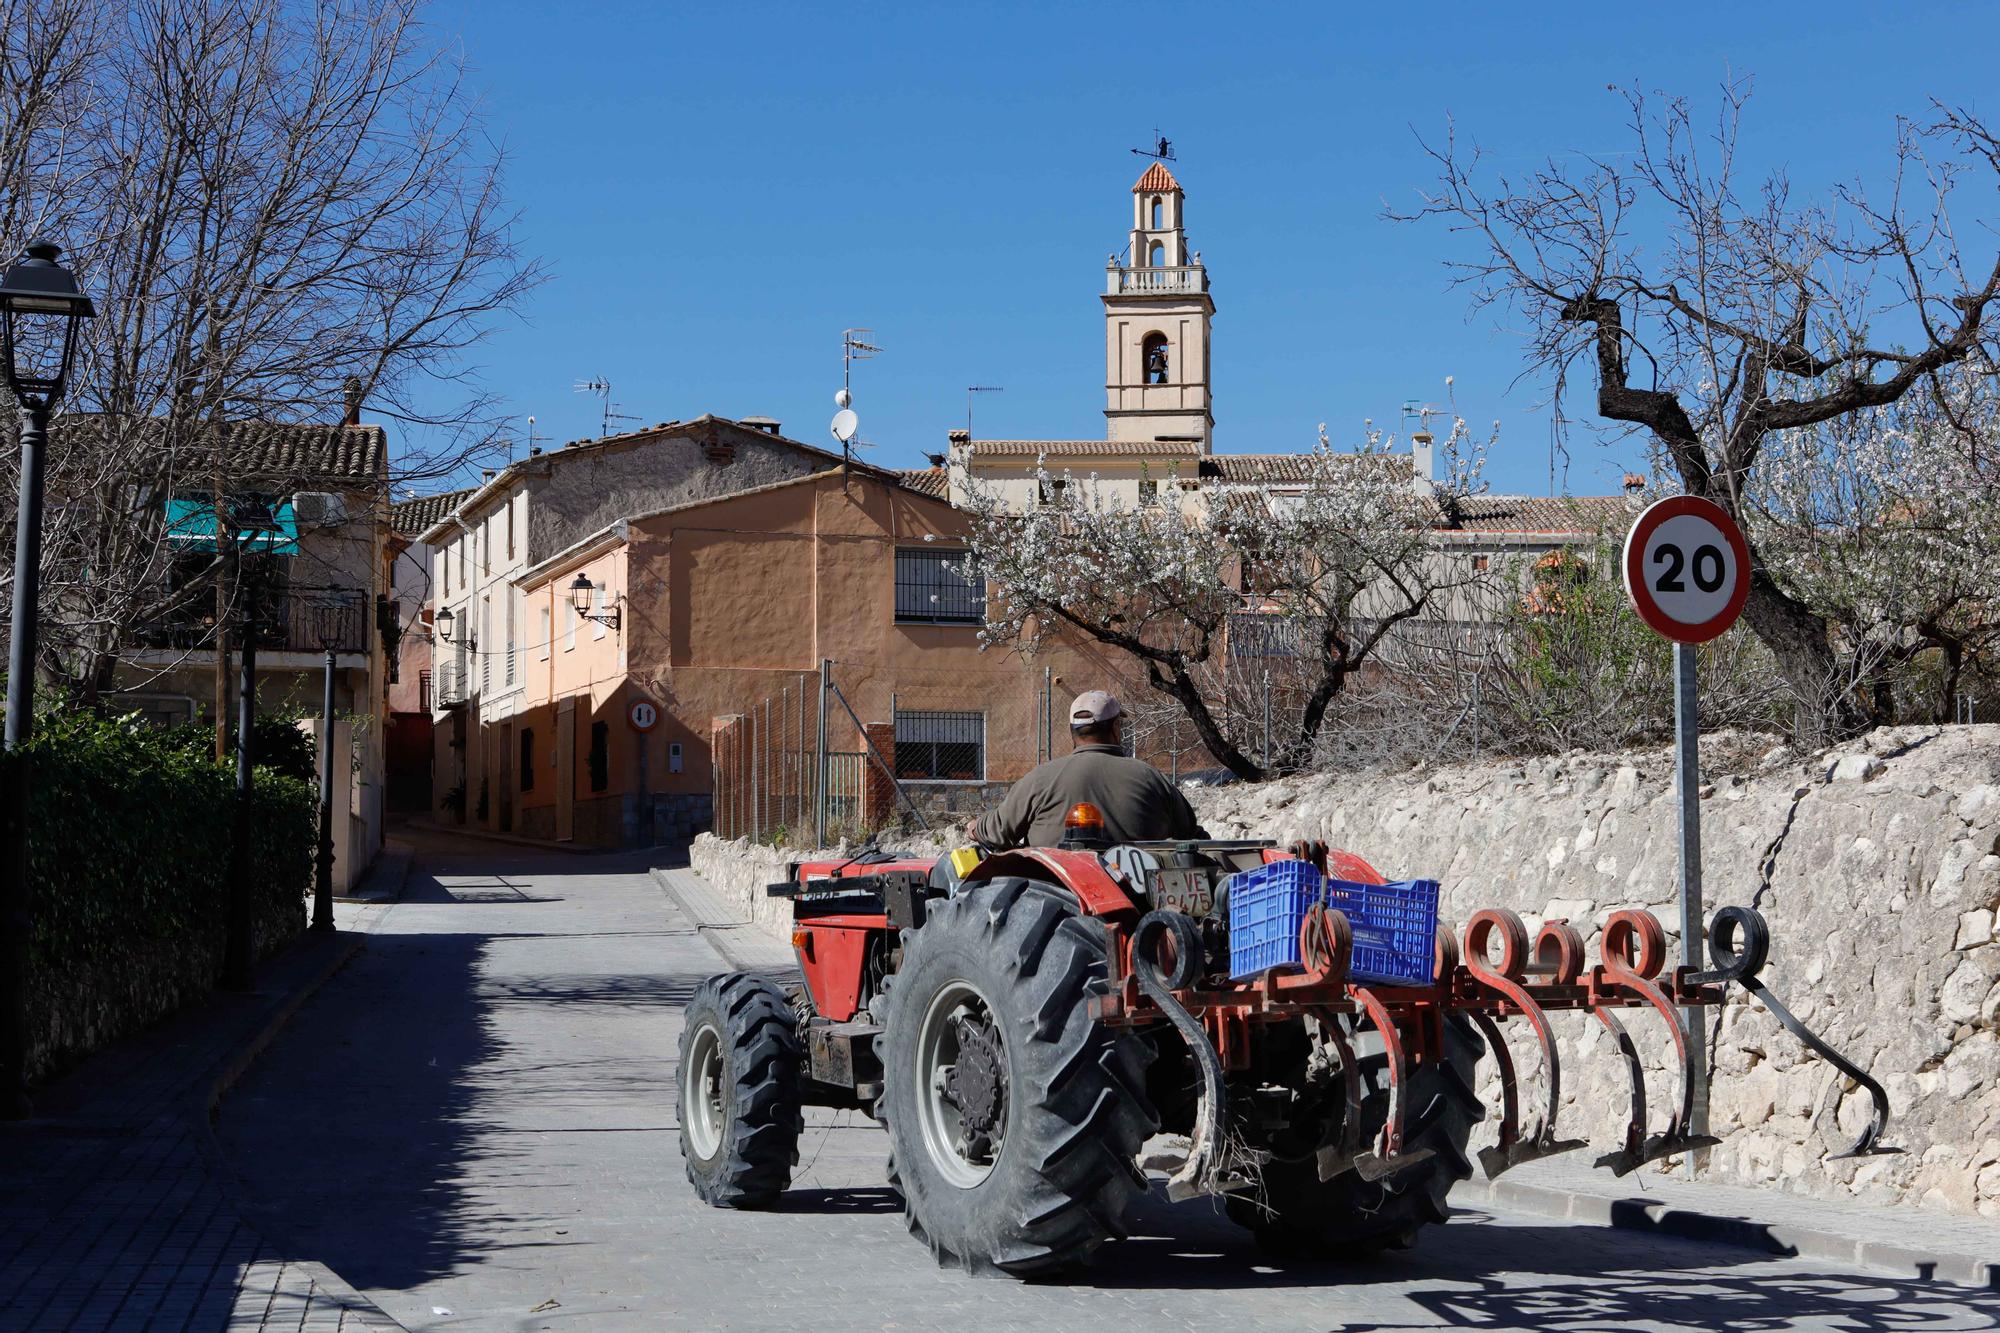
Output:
x=473 y=1124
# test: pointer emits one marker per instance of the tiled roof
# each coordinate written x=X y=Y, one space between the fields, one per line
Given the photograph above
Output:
x=261 y=449
x=930 y=480
x=411 y=517
x=1156 y=179
x=1165 y=449
x=1558 y=515
x=1278 y=469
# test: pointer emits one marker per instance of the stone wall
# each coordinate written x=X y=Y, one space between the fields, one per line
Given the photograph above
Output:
x=1877 y=865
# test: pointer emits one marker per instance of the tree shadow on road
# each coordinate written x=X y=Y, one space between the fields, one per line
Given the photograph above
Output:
x=385 y=1132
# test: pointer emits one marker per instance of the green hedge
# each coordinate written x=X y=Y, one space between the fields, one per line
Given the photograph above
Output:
x=129 y=831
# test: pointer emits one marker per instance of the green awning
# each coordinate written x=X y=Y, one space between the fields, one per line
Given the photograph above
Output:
x=191 y=527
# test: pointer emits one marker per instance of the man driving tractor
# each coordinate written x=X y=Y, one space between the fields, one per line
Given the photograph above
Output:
x=1138 y=802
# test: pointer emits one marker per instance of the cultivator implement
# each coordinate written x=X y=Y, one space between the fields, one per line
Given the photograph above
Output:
x=1498 y=975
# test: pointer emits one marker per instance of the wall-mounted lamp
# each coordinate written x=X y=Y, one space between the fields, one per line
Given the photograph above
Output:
x=582 y=595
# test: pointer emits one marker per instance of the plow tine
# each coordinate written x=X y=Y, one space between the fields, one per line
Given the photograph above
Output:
x=1742 y=966
x=1342 y=1154
x=1388 y=1157
x=1634 y=948
x=1513 y=1148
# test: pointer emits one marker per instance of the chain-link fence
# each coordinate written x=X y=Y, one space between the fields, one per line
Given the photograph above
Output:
x=858 y=749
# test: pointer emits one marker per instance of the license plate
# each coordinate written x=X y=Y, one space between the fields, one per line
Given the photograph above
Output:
x=1184 y=891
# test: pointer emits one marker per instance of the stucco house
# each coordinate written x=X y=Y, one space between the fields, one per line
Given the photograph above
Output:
x=321 y=568
x=518 y=518
x=704 y=608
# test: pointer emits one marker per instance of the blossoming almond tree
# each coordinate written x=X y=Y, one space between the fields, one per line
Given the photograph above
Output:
x=1324 y=570
x=1888 y=525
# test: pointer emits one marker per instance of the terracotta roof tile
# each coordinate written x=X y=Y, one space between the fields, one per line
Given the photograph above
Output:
x=1165 y=449
x=1156 y=180
x=1558 y=515
x=411 y=517
x=1275 y=469
x=930 y=480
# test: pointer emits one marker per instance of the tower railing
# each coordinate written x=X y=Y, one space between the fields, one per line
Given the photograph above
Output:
x=1121 y=280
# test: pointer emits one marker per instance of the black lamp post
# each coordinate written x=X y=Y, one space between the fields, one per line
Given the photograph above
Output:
x=253 y=521
x=40 y=309
x=330 y=624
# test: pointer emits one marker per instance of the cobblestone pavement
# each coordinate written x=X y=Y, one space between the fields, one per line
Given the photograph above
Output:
x=112 y=1212
x=473 y=1124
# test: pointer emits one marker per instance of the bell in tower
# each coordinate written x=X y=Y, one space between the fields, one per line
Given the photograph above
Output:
x=1157 y=312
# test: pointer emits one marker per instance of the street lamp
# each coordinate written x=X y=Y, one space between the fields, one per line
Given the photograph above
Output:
x=41 y=308
x=330 y=626
x=582 y=594
x=253 y=521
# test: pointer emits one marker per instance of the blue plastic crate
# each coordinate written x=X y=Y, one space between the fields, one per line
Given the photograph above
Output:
x=1395 y=928
x=1266 y=906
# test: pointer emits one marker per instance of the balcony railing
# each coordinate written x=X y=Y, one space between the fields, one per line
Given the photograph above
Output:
x=1156 y=281
x=292 y=619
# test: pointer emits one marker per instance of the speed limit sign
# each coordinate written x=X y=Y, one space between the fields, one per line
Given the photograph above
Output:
x=1687 y=569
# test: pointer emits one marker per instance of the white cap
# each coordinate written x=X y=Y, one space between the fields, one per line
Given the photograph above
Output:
x=1092 y=707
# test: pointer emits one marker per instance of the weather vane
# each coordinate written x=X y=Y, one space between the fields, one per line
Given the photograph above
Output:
x=1161 y=151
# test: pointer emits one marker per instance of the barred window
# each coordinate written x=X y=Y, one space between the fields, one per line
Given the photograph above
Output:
x=1255 y=635
x=932 y=587
x=946 y=746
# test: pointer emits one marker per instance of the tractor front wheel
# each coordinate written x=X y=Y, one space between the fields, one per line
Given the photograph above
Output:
x=740 y=1086
x=1014 y=1115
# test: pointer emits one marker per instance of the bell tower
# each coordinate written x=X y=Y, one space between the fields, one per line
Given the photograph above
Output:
x=1157 y=312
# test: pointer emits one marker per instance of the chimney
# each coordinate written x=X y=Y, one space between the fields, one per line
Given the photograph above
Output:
x=1635 y=489
x=769 y=425
x=350 y=393
x=1422 y=463
x=489 y=473
x=955 y=438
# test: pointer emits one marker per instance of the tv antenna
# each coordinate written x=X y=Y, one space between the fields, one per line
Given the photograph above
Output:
x=971 y=389
x=534 y=440
x=1161 y=151
x=853 y=347
x=602 y=388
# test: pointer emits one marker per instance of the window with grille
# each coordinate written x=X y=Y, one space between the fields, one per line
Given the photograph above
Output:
x=933 y=587
x=947 y=747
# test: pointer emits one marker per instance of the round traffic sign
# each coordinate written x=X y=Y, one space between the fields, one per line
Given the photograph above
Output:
x=643 y=716
x=1687 y=568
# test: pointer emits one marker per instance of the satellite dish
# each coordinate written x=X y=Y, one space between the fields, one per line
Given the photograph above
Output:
x=842 y=398
x=845 y=423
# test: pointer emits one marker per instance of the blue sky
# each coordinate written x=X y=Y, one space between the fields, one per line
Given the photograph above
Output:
x=721 y=189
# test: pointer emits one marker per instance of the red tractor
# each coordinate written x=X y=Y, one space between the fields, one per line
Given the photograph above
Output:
x=1022 y=1025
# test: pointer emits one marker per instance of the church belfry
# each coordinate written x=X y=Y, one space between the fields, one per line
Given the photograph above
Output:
x=1157 y=312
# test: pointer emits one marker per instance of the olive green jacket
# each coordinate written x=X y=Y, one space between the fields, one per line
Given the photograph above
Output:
x=1139 y=803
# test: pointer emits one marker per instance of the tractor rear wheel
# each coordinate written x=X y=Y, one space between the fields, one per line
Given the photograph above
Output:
x=1298 y=1213
x=1014 y=1115
x=740 y=1085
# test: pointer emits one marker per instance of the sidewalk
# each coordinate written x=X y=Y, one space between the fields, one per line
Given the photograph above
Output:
x=1912 y=1243
x=115 y=1211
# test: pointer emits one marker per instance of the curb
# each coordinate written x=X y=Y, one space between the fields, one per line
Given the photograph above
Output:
x=1785 y=1239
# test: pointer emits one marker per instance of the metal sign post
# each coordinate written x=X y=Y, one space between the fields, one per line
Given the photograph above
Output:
x=1687 y=793
x=1687 y=571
